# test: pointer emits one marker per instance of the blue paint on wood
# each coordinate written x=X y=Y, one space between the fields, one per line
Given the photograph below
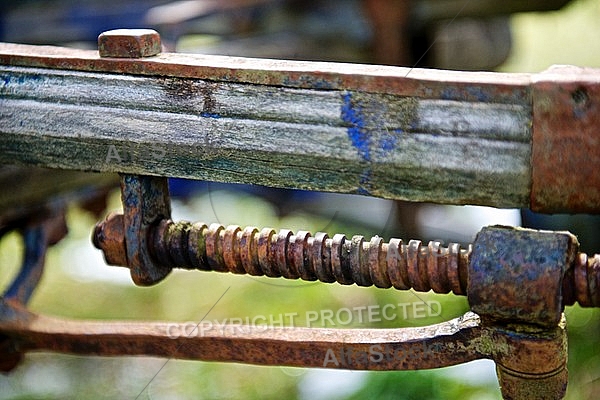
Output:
x=15 y=80
x=352 y=114
x=357 y=129
x=388 y=141
x=366 y=129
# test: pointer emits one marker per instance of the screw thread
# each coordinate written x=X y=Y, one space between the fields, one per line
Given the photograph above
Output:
x=319 y=257
x=582 y=281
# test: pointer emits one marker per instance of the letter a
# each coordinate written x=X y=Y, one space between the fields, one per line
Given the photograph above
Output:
x=112 y=153
x=330 y=357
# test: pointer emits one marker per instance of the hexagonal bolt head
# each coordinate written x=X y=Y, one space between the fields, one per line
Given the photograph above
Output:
x=129 y=43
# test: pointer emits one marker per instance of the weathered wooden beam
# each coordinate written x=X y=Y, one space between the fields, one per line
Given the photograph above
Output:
x=420 y=135
x=332 y=140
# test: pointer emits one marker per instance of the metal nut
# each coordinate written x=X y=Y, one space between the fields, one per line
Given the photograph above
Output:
x=129 y=43
x=516 y=275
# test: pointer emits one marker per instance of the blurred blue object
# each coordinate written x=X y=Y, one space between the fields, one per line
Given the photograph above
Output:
x=186 y=188
x=285 y=201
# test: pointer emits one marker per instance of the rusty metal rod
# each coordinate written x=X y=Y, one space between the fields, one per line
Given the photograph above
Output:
x=527 y=362
x=320 y=257
x=301 y=255
x=285 y=254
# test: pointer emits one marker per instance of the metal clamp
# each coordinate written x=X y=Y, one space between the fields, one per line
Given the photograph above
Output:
x=517 y=282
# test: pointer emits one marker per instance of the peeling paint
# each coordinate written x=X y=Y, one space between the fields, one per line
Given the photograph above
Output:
x=375 y=127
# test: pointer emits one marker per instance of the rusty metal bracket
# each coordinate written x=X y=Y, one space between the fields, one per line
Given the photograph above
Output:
x=566 y=115
x=37 y=236
x=517 y=281
x=145 y=202
x=43 y=230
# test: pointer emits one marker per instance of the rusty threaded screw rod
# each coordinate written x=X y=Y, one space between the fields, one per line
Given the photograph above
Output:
x=319 y=257
x=292 y=256
x=337 y=259
x=581 y=283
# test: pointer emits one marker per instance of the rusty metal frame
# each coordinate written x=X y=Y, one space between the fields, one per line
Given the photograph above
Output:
x=519 y=322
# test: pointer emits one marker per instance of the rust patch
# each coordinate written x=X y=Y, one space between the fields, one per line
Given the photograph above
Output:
x=566 y=141
x=515 y=275
x=129 y=43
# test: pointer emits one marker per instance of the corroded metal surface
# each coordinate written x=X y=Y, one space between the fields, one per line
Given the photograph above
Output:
x=534 y=364
x=582 y=282
x=39 y=232
x=112 y=238
x=566 y=140
x=532 y=274
x=37 y=236
x=449 y=85
x=285 y=254
x=517 y=280
x=450 y=343
x=145 y=202
x=516 y=275
x=525 y=361
x=129 y=43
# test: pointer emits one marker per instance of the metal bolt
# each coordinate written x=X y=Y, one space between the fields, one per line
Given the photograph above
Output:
x=301 y=255
x=129 y=43
x=111 y=237
x=319 y=257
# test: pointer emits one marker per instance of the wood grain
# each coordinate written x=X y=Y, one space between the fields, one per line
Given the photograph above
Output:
x=388 y=145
